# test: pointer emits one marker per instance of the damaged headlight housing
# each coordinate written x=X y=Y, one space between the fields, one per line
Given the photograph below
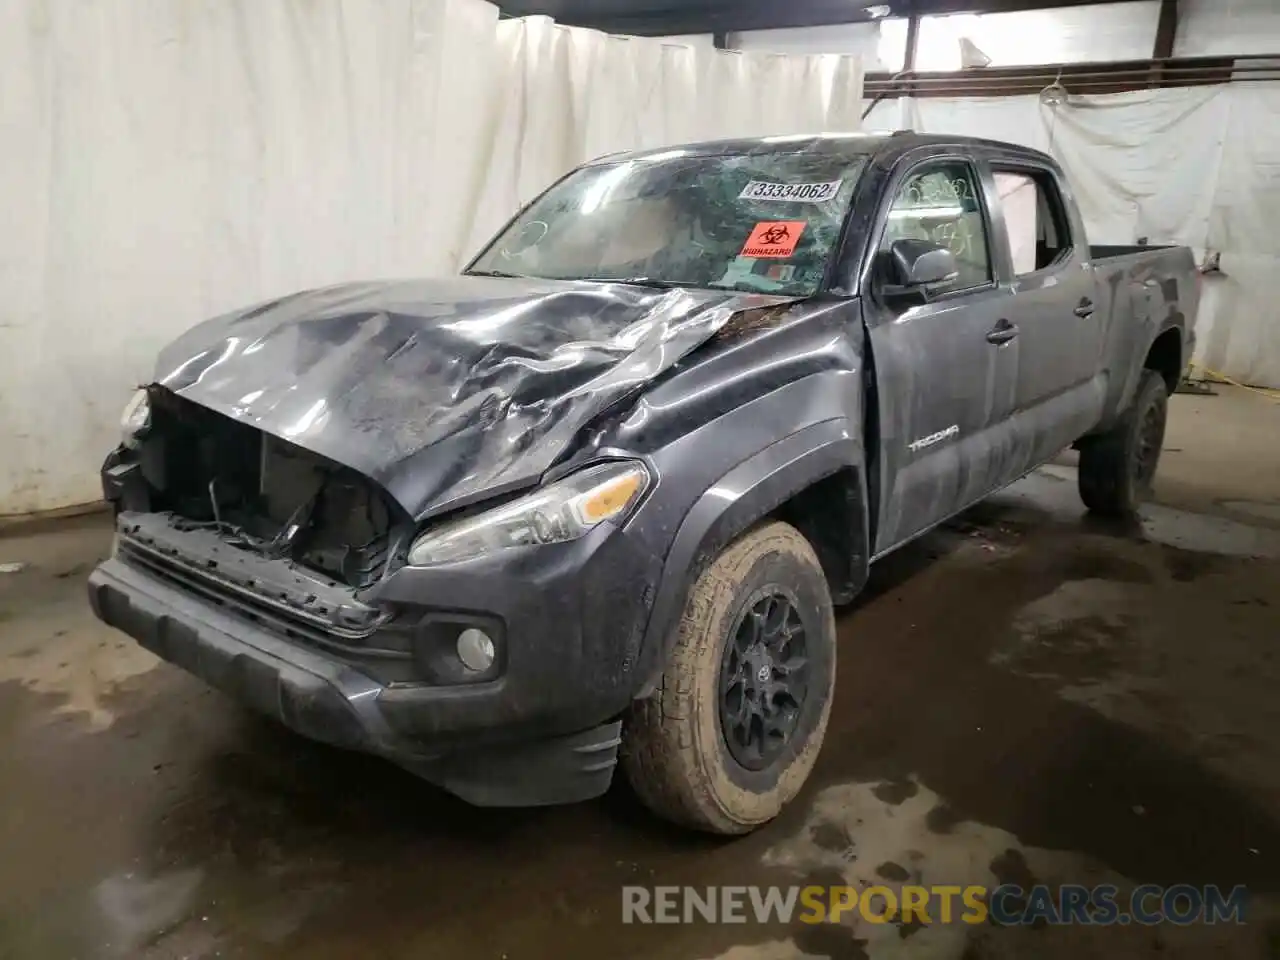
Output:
x=559 y=512
x=136 y=418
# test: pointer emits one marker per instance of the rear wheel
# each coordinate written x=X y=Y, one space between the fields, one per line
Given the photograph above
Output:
x=735 y=726
x=1117 y=468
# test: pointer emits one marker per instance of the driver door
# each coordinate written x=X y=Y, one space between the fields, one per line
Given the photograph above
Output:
x=942 y=387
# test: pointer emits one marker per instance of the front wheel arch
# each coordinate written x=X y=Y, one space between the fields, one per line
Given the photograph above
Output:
x=736 y=682
x=822 y=464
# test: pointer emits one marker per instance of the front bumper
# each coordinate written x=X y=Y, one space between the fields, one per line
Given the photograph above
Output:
x=545 y=730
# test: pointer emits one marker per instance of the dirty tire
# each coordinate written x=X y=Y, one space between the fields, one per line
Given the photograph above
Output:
x=675 y=752
x=1117 y=467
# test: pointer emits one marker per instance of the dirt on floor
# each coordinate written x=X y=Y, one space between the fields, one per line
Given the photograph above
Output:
x=1025 y=696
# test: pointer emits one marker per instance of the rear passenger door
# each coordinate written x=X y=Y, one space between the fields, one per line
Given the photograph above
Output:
x=1054 y=359
x=939 y=388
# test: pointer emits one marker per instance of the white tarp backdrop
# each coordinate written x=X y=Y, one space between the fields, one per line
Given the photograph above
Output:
x=571 y=94
x=162 y=161
x=1198 y=166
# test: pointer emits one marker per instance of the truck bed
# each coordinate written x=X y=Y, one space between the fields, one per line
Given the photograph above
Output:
x=1142 y=290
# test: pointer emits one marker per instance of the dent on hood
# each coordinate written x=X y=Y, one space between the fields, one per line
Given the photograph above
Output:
x=444 y=391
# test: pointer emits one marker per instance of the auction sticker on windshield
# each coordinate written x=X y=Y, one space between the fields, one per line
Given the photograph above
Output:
x=773 y=238
x=795 y=192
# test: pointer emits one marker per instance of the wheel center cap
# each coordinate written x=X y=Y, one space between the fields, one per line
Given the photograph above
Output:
x=763 y=680
x=760 y=666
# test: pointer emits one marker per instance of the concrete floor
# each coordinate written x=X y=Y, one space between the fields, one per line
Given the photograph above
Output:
x=1025 y=694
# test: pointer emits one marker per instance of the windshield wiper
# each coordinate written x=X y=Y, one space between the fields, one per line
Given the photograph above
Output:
x=654 y=282
x=498 y=273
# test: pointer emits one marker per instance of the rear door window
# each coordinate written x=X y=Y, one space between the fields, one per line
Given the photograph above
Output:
x=1039 y=235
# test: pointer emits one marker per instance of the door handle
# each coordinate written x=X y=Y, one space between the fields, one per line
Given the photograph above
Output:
x=1085 y=309
x=1002 y=333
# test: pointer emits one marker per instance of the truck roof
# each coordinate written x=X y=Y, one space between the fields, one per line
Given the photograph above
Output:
x=884 y=147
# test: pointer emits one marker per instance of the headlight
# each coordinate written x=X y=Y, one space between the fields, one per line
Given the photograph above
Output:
x=136 y=417
x=563 y=511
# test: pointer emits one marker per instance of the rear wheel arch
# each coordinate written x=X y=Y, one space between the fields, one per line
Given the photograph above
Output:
x=1165 y=357
x=1117 y=467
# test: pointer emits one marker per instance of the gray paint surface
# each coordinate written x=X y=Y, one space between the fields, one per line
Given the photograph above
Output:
x=452 y=392
x=441 y=390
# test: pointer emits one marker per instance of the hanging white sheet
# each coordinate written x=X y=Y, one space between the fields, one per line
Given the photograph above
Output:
x=165 y=161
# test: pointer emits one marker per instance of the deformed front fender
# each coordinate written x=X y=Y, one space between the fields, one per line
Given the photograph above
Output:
x=754 y=489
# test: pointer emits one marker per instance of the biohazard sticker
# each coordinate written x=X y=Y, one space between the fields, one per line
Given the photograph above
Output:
x=773 y=238
x=792 y=192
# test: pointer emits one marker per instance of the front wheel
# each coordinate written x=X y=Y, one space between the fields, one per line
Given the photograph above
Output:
x=1117 y=468
x=734 y=728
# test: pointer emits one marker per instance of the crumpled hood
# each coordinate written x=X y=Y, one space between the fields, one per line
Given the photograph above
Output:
x=442 y=391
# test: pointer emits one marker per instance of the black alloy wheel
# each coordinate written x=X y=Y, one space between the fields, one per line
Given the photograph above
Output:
x=764 y=679
x=733 y=727
x=1118 y=467
x=1149 y=442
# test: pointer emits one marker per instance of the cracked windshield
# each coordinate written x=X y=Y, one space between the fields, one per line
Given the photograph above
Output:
x=765 y=223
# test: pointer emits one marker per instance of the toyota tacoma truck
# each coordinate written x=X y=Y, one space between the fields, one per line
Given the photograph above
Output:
x=591 y=502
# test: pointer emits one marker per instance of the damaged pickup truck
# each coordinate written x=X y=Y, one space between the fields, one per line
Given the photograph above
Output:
x=591 y=502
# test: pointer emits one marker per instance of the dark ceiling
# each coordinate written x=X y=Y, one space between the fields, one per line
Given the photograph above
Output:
x=655 y=17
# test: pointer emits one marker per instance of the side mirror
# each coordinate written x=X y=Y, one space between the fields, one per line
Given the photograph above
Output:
x=919 y=263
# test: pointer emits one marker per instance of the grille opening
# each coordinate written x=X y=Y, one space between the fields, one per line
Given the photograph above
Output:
x=269 y=496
